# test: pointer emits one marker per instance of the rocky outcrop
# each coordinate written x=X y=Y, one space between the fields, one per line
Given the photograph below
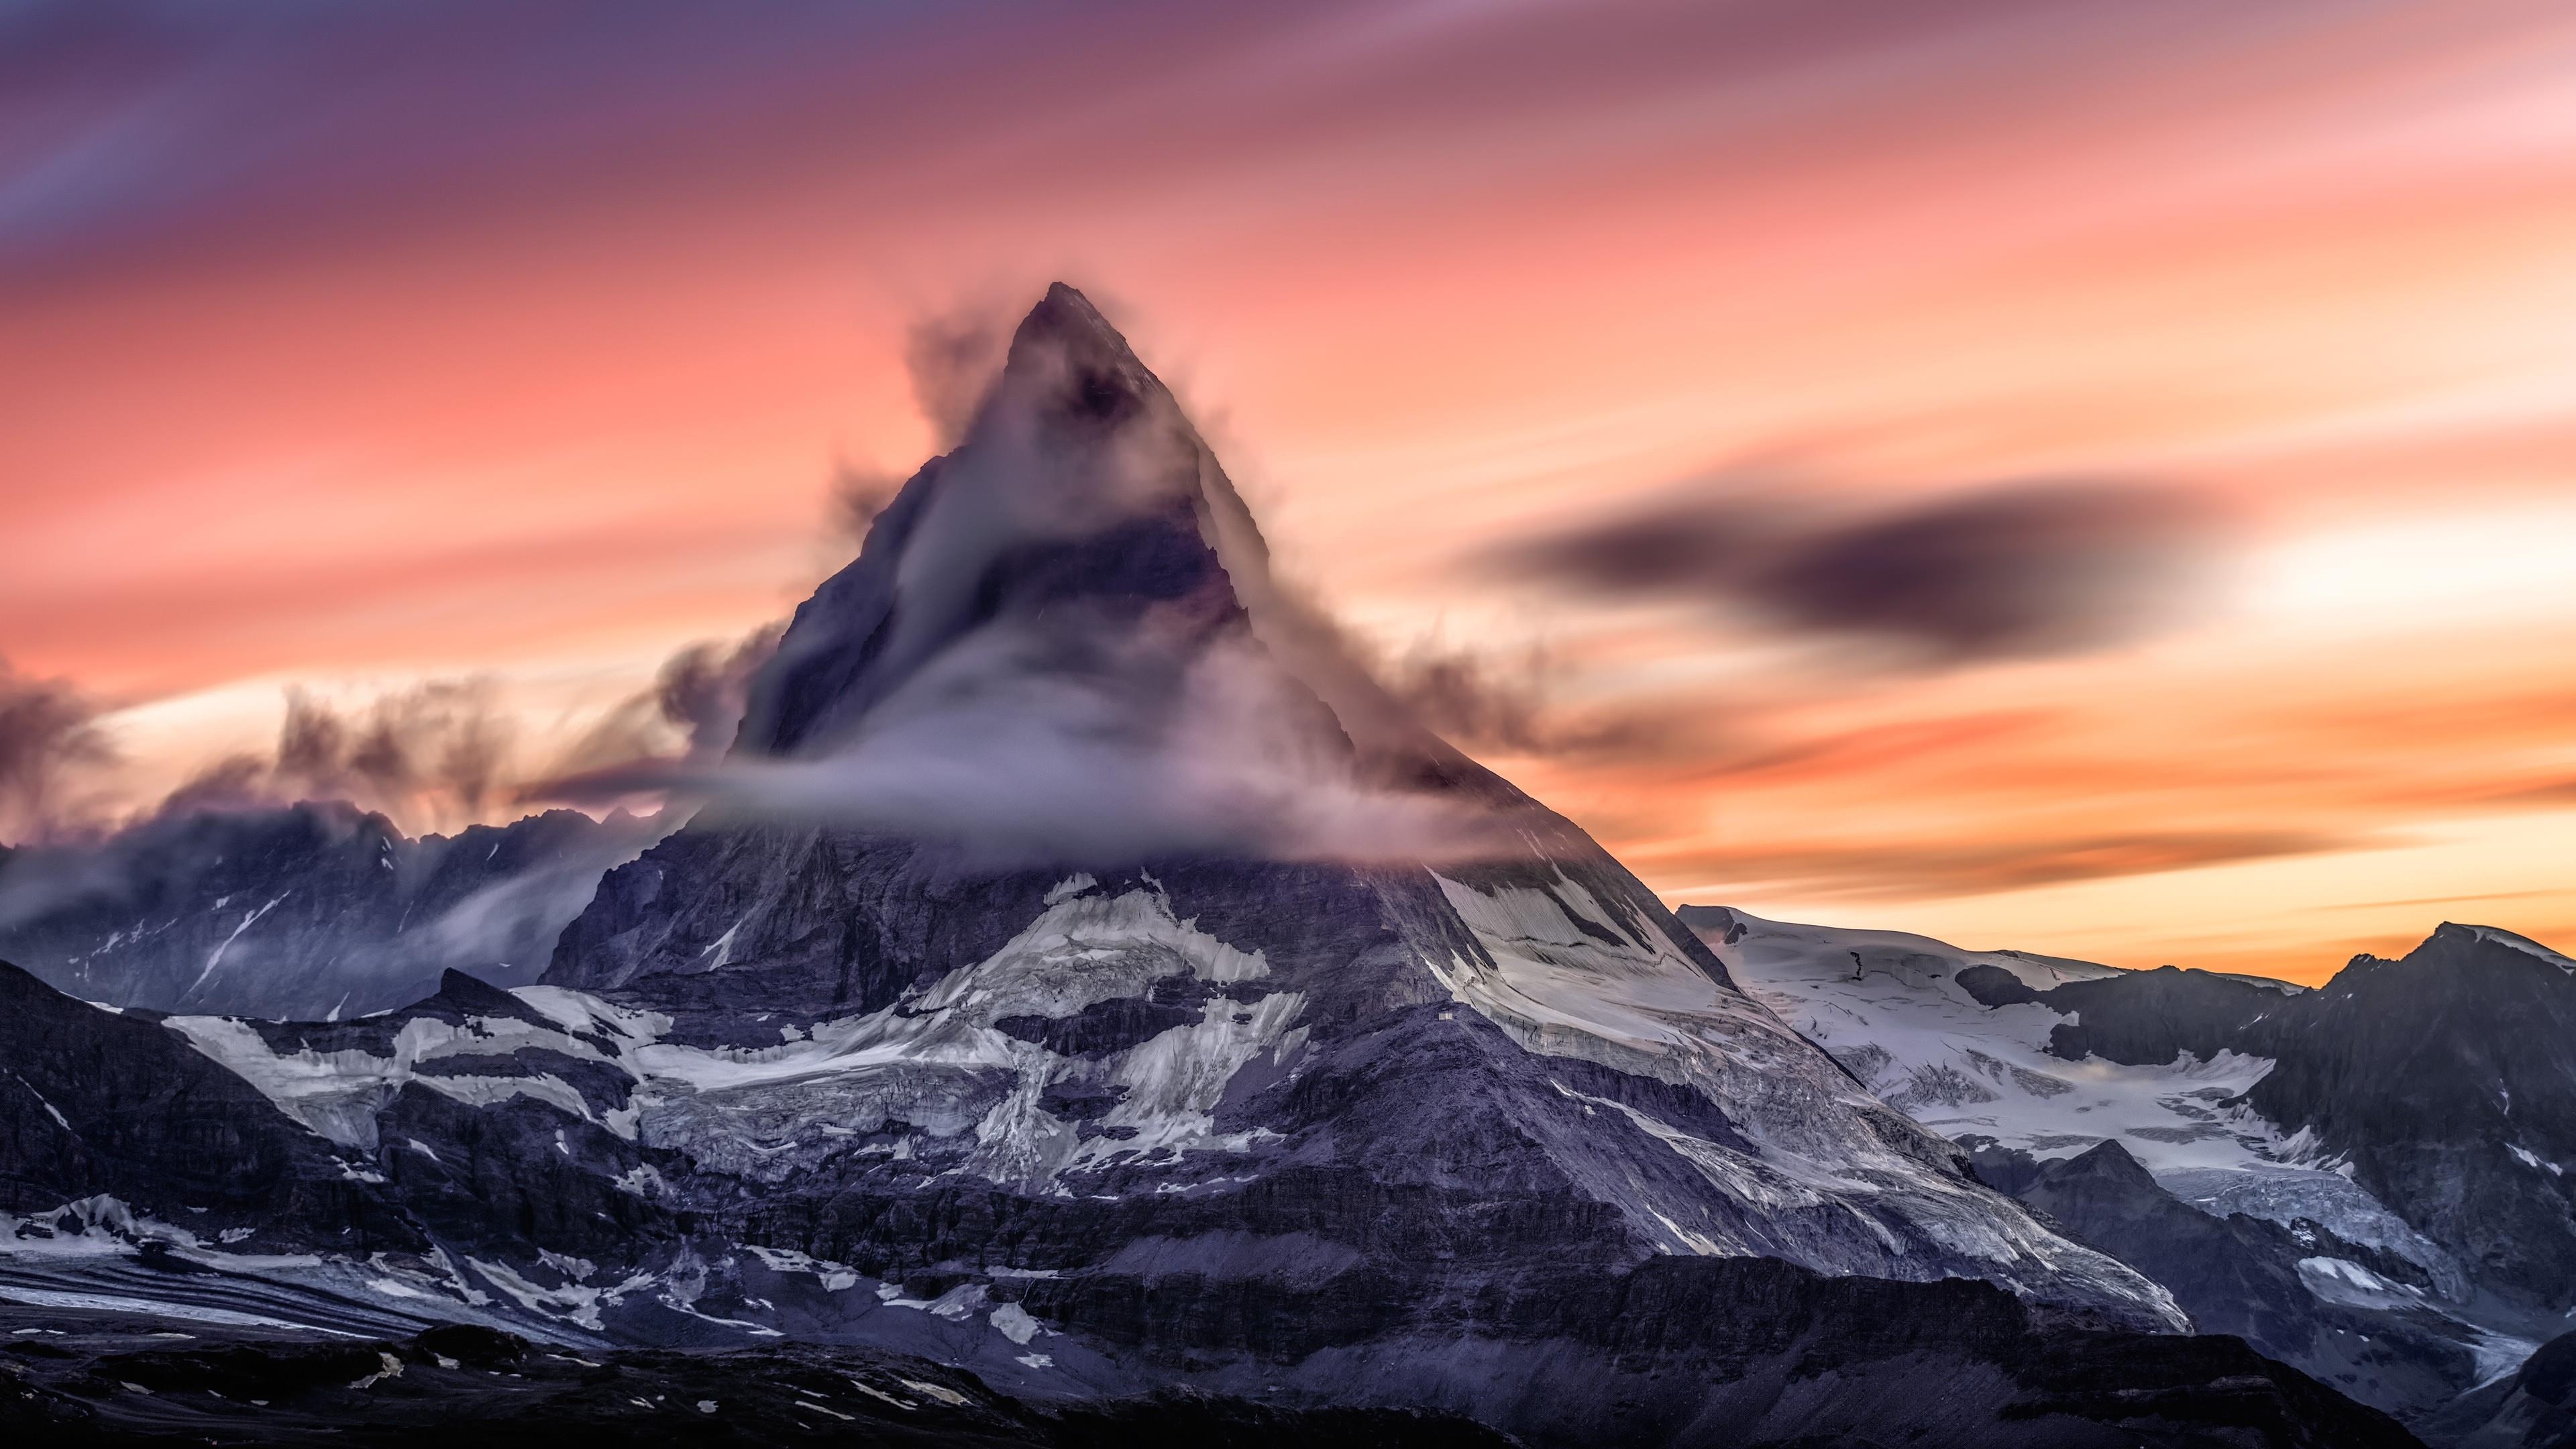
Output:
x=2447 y=1080
x=104 y=1117
x=2363 y=1179
x=2238 y=1274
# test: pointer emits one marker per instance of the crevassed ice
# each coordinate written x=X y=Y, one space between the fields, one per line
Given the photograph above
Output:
x=1901 y=1023
x=920 y=1058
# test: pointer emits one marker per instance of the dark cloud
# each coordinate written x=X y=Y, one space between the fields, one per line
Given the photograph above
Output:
x=1496 y=702
x=701 y=688
x=440 y=754
x=2018 y=571
x=953 y=359
x=234 y=783
x=858 y=496
x=48 y=734
x=1469 y=699
x=439 y=748
x=686 y=718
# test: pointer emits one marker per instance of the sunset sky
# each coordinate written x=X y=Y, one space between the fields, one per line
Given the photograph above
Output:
x=353 y=346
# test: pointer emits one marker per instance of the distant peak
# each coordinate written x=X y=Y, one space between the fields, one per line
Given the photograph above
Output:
x=2498 y=936
x=1072 y=366
x=2109 y=1160
x=1064 y=304
x=462 y=992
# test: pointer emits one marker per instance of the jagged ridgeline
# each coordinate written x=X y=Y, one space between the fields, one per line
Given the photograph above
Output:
x=1080 y=975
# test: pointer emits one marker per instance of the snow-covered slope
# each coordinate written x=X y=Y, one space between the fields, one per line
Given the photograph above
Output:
x=1889 y=1007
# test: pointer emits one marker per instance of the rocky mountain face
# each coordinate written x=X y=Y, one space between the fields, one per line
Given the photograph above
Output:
x=2447 y=1081
x=305 y=912
x=2444 y=1082
x=1081 y=978
x=476 y=1161
x=2291 y=1290
x=2331 y=1173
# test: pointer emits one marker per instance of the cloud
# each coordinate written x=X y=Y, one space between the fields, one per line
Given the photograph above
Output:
x=49 y=734
x=2019 y=571
x=1019 y=765
x=701 y=688
x=858 y=496
x=687 y=716
x=1513 y=702
x=1917 y=869
x=953 y=358
x=435 y=755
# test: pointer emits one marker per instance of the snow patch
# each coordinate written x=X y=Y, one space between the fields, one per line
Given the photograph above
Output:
x=1015 y=1323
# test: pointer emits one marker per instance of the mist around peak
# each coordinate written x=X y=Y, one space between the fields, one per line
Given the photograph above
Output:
x=1061 y=642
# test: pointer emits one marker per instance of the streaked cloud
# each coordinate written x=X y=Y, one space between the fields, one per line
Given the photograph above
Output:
x=405 y=342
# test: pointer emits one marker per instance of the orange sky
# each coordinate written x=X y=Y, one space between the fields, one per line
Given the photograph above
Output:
x=357 y=347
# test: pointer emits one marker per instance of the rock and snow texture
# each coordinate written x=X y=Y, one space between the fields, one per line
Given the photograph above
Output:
x=1807 y=1157
x=993 y=1052
x=1889 y=1007
x=2241 y=1097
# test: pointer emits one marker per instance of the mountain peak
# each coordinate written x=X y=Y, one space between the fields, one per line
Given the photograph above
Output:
x=1065 y=313
x=1068 y=534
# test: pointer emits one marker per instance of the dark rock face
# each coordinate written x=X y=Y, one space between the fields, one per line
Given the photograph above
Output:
x=300 y=913
x=2240 y=1275
x=2446 y=1080
x=2144 y=1018
x=98 y=1105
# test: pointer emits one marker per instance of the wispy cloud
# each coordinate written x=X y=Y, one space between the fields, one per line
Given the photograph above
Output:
x=49 y=736
x=1911 y=867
